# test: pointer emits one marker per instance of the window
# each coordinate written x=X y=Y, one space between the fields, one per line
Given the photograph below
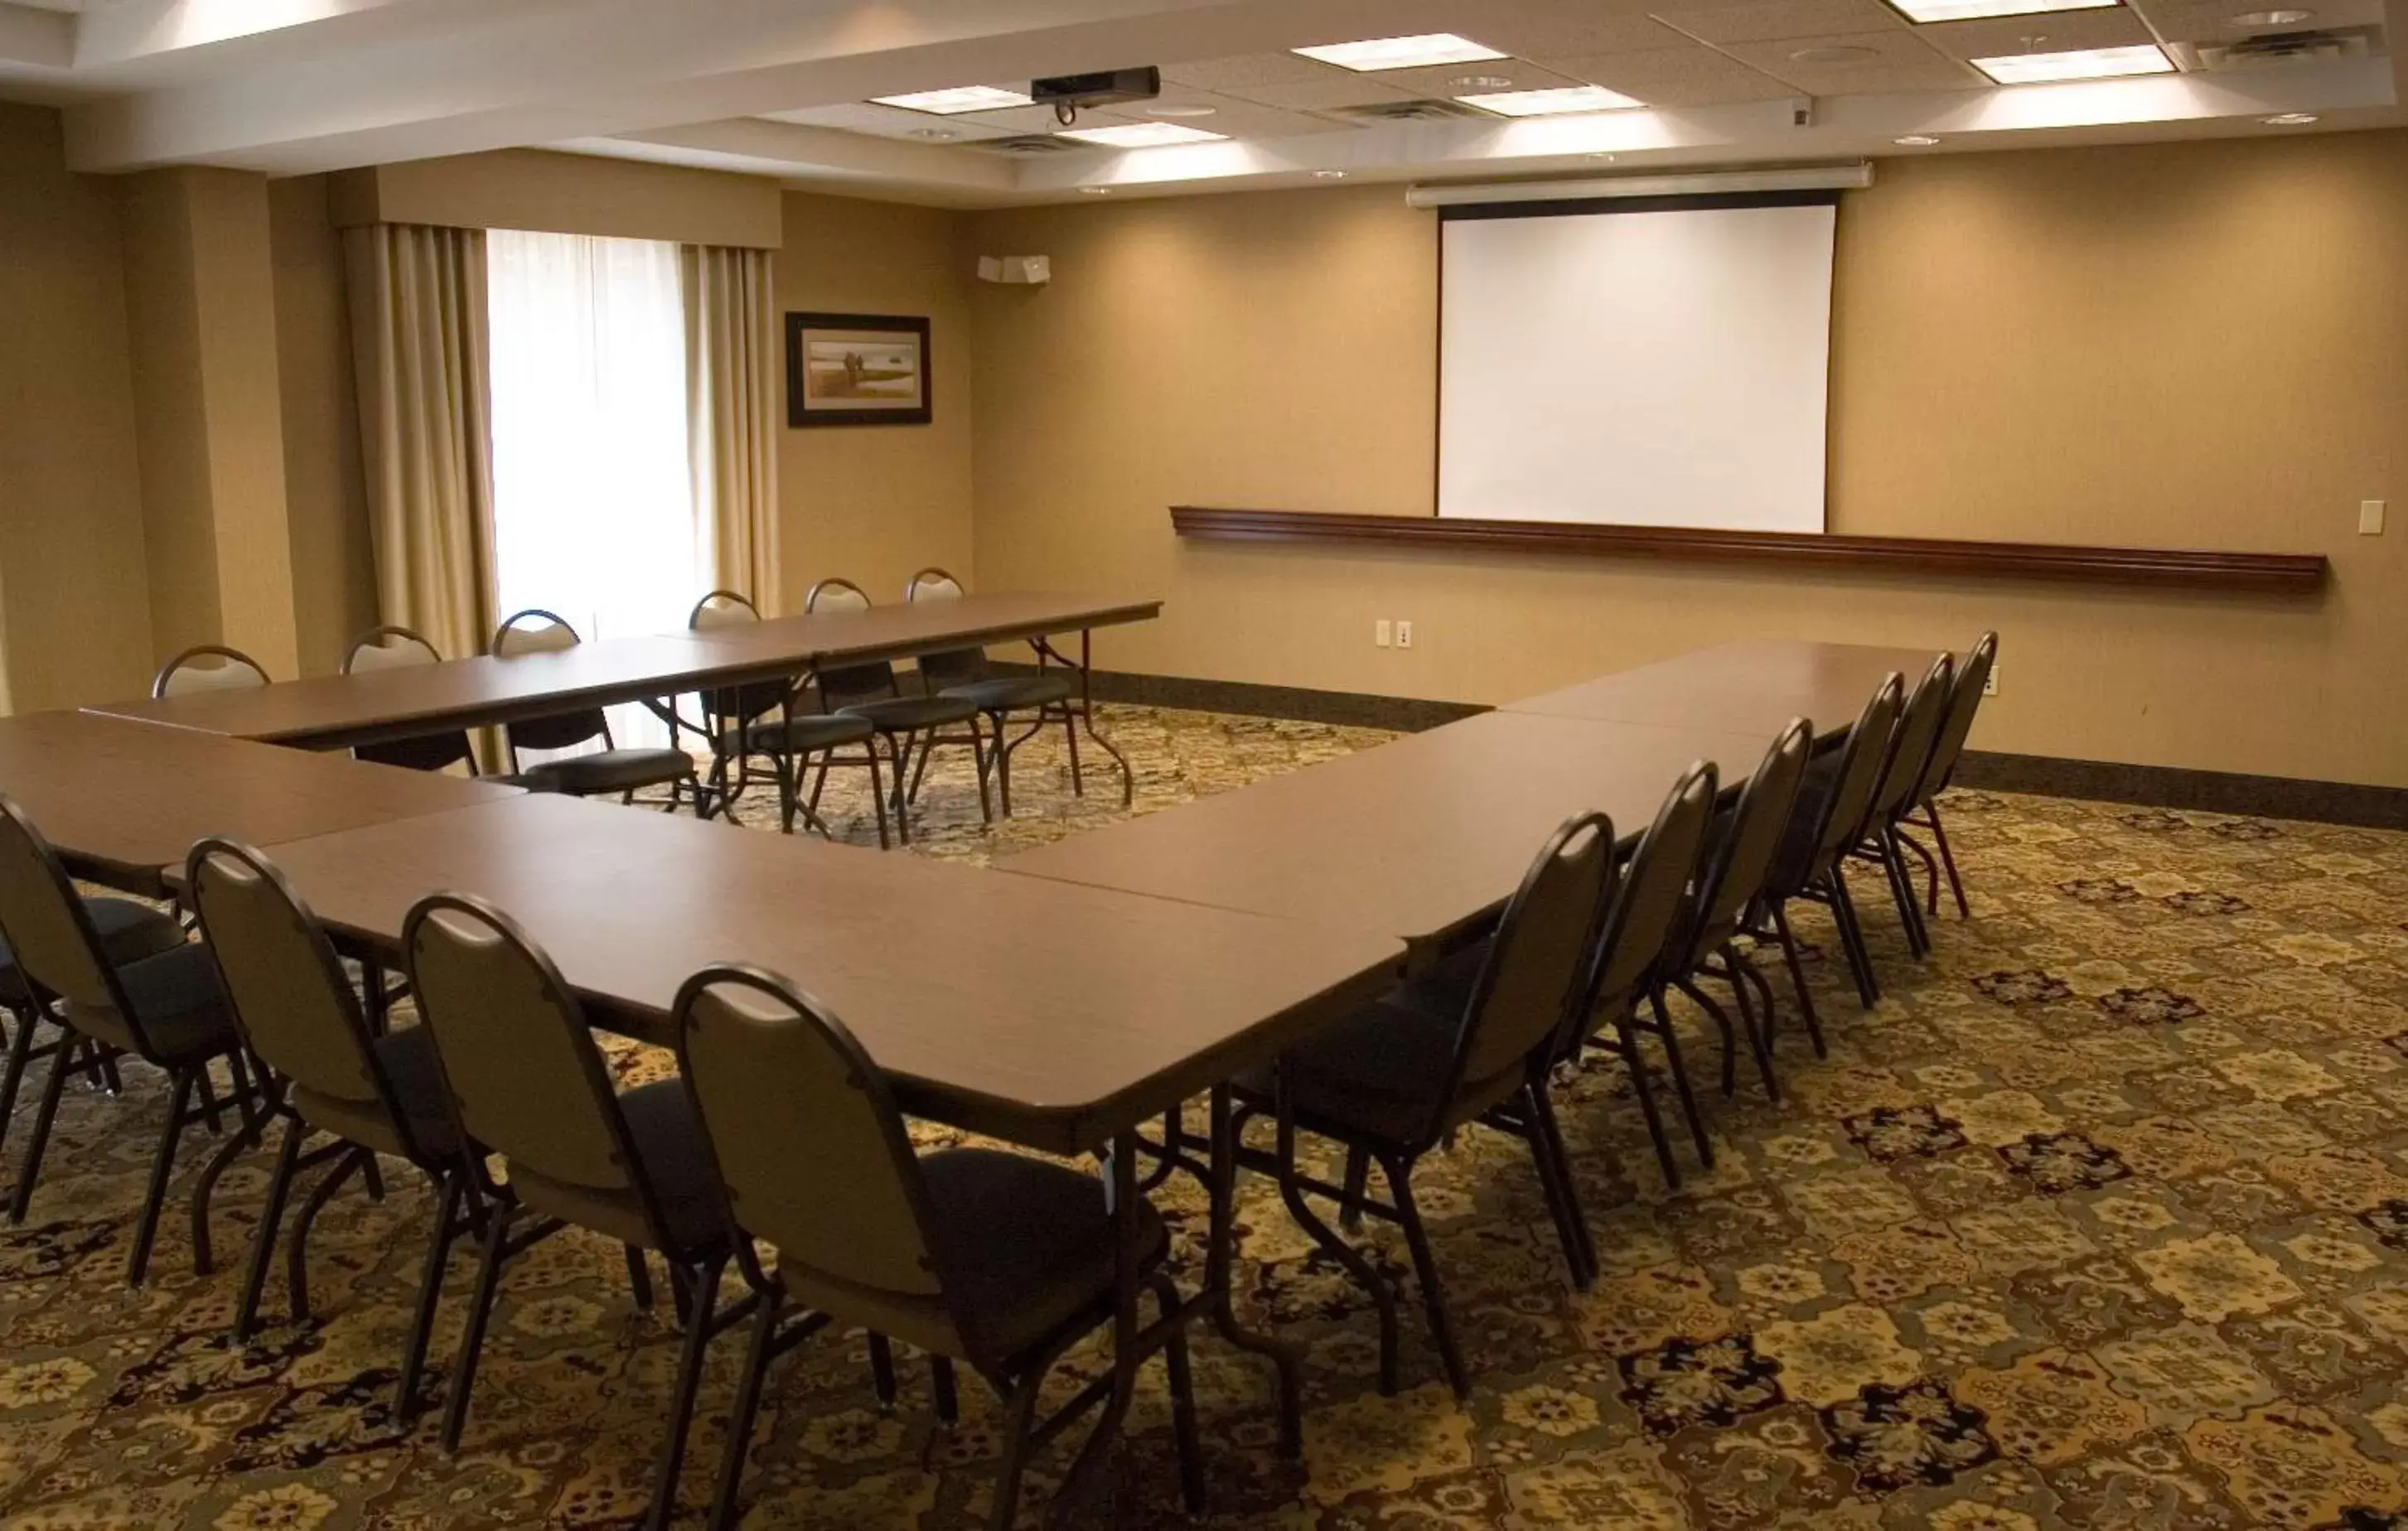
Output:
x=594 y=514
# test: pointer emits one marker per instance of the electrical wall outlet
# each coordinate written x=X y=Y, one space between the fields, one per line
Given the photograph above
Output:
x=2369 y=518
x=1990 y=682
x=1380 y=630
x=1404 y=635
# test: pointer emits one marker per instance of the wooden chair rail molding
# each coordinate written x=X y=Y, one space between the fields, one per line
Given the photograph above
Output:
x=2184 y=569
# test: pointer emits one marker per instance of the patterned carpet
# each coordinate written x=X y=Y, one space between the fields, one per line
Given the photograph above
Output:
x=2099 y=1220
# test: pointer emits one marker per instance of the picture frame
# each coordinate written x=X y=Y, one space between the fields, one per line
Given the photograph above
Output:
x=858 y=370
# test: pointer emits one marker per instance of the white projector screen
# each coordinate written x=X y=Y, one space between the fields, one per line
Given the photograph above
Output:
x=1652 y=366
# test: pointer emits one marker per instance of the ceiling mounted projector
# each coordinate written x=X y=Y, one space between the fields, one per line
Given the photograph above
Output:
x=1066 y=94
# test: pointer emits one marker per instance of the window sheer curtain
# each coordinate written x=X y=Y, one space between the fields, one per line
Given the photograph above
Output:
x=593 y=496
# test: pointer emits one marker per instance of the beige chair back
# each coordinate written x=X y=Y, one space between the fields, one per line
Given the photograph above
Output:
x=388 y=648
x=721 y=608
x=207 y=667
x=810 y=1147
x=43 y=921
x=953 y=666
x=1533 y=976
x=848 y=683
x=833 y=596
x=732 y=706
x=534 y=630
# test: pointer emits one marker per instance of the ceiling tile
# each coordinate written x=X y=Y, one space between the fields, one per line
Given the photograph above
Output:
x=2055 y=32
x=1541 y=29
x=1014 y=119
x=1337 y=90
x=1773 y=20
x=1231 y=116
x=2210 y=20
x=1688 y=76
x=1891 y=62
x=888 y=121
x=1248 y=70
x=1440 y=82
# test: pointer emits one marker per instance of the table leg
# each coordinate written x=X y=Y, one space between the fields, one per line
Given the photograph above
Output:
x=1219 y=1258
x=1085 y=713
x=1123 y=1196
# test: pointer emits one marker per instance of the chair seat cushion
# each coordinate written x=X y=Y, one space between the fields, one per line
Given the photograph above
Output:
x=896 y=714
x=128 y=932
x=409 y=1061
x=610 y=770
x=1377 y=1074
x=1030 y=1240
x=177 y=999
x=1006 y=693
x=776 y=736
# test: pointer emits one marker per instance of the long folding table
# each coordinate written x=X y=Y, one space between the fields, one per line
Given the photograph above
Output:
x=1750 y=687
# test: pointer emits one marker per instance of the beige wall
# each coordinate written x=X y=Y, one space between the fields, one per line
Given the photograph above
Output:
x=565 y=193
x=71 y=539
x=875 y=503
x=334 y=560
x=2201 y=345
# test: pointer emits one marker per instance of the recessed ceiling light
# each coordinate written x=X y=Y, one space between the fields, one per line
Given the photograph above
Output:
x=2079 y=64
x=1833 y=53
x=960 y=98
x=1181 y=109
x=1416 y=52
x=1480 y=82
x=1329 y=175
x=1555 y=103
x=2289 y=119
x=1607 y=158
x=1096 y=190
x=1915 y=140
x=1968 y=11
x=1142 y=136
x=2273 y=18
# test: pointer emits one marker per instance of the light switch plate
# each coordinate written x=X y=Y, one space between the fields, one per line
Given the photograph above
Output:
x=2369 y=518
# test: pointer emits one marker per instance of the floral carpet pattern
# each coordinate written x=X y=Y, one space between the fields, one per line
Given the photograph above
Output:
x=2099 y=1219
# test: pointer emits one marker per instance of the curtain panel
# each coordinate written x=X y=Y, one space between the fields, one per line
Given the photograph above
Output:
x=422 y=365
x=732 y=410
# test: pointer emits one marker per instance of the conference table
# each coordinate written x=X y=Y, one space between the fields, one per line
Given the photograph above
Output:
x=1754 y=686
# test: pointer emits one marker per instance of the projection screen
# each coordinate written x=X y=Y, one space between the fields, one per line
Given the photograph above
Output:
x=1657 y=363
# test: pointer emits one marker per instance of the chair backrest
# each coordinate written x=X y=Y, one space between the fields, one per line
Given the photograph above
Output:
x=955 y=666
x=1638 y=928
x=1536 y=967
x=45 y=924
x=1840 y=811
x=525 y=1077
x=850 y=682
x=1742 y=843
x=207 y=667
x=1964 y=701
x=396 y=648
x=536 y=631
x=732 y=706
x=290 y=996
x=810 y=1147
x=1917 y=735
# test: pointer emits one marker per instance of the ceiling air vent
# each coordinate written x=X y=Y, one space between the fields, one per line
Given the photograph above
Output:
x=1029 y=148
x=1407 y=111
x=2269 y=48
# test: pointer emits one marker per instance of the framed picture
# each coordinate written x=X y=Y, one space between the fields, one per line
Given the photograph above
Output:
x=857 y=369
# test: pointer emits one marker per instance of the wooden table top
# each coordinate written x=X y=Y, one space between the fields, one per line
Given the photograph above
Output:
x=1754 y=687
x=1041 y=1012
x=121 y=799
x=1416 y=839
x=901 y=630
x=340 y=712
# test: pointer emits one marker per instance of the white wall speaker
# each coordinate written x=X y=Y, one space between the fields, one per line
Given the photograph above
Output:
x=1024 y=270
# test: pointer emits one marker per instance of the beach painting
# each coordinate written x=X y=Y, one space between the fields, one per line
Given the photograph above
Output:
x=857 y=369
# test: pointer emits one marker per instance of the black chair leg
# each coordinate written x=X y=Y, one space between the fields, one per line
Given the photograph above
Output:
x=430 y=1293
x=1626 y=1042
x=748 y=1408
x=1901 y=891
x=942 y=1386
x=1383 y=1295
x=1680 y=1073
x=62 y=1063
x=877 y=794
x=703 y=1309
x=881 y=1371
x=1721 y=1018
x=640 y=1279
x=1852 y=938
x=263 y=1246
x=246 y=1137
x=1798 y=977
x=21 y=1051
x=1441 y=1322
x=481 y=1309
x=1552 y=1187
x=1183 y=1399
x=296 y=1255
x=1948 y=862
x=1583 y=1254
x=1358 y=1174
x=163 y=1165
x=1020 y=1419
x=1759 y=1039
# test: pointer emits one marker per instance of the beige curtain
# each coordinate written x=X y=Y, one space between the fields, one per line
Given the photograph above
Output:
x=419 y=347
x=731 y=381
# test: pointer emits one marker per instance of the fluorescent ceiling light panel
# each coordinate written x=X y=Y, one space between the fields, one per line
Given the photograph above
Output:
x=960 y=98
x=1972 y=10
x=1402 y=53
x=2082 y=63
x=1143 y=135
x=1557 y=103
